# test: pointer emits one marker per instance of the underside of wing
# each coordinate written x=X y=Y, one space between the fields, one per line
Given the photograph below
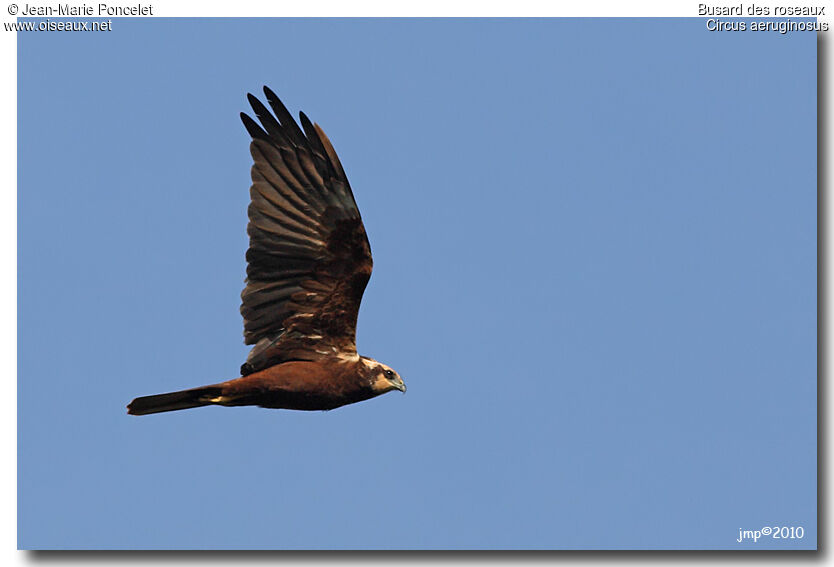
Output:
x=309 y=259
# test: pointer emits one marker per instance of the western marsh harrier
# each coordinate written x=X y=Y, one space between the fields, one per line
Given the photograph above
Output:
x=309 y=261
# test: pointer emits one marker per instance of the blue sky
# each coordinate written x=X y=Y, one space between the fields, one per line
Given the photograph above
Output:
x=595 y=268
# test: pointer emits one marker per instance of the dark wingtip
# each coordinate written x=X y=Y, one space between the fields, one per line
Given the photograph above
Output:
x=313 y=138
x=307 y=125
x=290 y=127
x=252 y=127
x=270 y=93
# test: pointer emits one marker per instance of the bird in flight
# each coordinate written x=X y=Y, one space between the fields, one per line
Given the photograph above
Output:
x=309 y=261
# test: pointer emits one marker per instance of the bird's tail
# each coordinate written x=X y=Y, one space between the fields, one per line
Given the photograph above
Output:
x=184 y=399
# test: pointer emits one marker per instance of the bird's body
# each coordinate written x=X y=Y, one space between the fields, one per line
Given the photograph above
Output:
x=296 y=385
x=302 y=385
x=309 y=261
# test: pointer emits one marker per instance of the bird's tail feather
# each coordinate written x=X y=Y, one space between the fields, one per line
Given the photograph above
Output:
x=184 y=399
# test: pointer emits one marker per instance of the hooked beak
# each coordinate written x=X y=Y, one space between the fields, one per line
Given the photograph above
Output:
x=399 y=385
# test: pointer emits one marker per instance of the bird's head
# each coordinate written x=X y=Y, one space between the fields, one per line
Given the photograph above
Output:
x=382 y=377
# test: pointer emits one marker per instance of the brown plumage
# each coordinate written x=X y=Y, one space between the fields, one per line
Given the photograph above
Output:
x=309 y=261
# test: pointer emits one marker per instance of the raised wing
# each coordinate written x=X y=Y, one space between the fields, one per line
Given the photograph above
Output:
x=309 y=259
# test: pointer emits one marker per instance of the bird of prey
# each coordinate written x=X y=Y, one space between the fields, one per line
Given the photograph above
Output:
x=309 y=261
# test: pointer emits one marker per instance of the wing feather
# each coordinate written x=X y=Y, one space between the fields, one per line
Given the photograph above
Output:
x=271 y=125
x=253 y=128
x=271 y=164
x=276 y=206
x=289 y=127
x=331 y=154
x=280 y=232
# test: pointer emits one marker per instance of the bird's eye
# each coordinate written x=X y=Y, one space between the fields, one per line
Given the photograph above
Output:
x=389 y=374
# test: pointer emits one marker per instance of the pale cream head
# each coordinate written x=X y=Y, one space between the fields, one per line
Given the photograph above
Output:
x=383 y=377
